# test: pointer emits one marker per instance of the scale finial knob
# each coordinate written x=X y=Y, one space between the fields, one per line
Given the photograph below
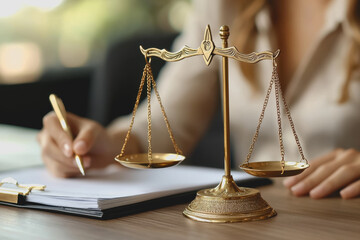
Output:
x=224 y=32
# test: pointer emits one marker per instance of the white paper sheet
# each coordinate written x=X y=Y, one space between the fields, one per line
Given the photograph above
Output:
x=116 y=186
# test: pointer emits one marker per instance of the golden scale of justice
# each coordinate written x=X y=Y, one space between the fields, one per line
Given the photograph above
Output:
x=227 y=202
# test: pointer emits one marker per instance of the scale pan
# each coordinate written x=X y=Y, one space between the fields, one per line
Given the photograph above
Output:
x=159 y=160
x=273 y=168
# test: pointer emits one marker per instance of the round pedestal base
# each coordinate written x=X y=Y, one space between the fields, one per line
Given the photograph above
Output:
x=228 y=203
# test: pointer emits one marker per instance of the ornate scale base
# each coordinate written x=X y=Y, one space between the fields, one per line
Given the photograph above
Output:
x=228 y=203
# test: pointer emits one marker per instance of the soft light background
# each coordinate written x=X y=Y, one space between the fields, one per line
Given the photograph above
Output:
x=38 y=35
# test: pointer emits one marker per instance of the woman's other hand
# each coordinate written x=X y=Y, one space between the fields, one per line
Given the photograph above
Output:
x=338 y=170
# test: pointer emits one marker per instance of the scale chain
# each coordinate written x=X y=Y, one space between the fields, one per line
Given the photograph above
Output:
x=251 y=149
x=148 y=71
x=148 y=76
x=142 y=82
x=287 y=111
x=275 y=80
x=176 y=148
x=282 y=150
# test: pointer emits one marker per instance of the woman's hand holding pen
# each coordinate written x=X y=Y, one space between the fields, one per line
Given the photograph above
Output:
x=338 y=170
x=94 y=143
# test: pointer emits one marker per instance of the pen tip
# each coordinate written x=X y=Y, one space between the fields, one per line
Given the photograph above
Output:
x=82 y=171
x=79 y=164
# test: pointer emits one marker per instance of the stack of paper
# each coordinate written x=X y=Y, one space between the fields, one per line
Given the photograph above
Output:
x=115 y=187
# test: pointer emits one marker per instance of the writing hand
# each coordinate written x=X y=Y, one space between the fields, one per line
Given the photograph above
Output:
x=94 y=143
x=338 y=170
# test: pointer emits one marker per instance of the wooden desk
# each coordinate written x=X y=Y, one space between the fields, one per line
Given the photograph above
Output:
x=298 y=218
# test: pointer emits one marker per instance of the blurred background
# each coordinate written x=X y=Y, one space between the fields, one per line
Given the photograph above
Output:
x=38 y=35
x=60 y=45
x=87 y=53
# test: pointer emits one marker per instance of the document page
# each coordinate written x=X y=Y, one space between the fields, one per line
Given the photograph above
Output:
x=117 y=186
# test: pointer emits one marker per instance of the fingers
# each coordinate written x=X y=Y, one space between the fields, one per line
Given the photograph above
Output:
x=52 y=127
x=343 y=176
x=99 y=160
x=86 y=137
x=56 y=162
x=291 y=181
x=51 y=151
x=322 y=173
x=351 y=191
x=58 y=148
x=86 y=132
x=91 y=143
x=311 y=181
x=330 y=173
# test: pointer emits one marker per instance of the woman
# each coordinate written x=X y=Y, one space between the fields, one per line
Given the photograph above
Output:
x=319 y=73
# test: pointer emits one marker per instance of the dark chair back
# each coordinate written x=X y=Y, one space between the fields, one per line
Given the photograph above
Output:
x=115 y=86
x=26 y=104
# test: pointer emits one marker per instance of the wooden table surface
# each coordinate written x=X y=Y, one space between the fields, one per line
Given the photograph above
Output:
x=298 y=218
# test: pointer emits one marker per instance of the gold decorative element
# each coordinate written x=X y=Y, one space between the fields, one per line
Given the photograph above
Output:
x=224 y=35
x=253 y=57
x=11 y=195
x=208 y=49
x=158 y=160
x=230 y=52
x=185 y=52
x=228 y=203
x=271 y=169
x=207 y=46
x=146 y=160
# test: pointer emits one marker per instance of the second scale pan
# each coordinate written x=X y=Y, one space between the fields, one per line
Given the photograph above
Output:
x=141 y=161
x=273 y=168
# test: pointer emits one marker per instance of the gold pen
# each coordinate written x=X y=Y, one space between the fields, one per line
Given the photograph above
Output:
x=60 y=112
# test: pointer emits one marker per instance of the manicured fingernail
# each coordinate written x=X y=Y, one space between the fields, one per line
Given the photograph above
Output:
x=67 y=150
x=345 y=193
x=288 y=182
x=80 y=146
x=315 y=193
x=298 y=188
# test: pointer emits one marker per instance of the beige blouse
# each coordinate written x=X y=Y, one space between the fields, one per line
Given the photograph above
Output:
x=189 y=90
